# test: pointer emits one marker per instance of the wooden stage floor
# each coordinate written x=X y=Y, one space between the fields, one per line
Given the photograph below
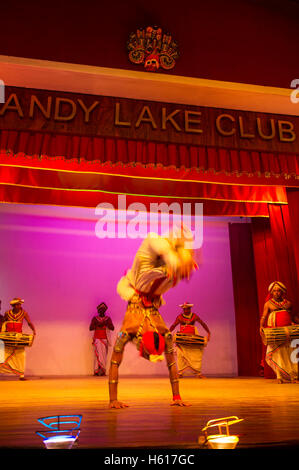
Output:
x=270 y=411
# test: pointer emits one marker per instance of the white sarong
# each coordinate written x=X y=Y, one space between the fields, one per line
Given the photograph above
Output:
x=278 y=357
x=14 y=361
x=189 y=356
x=100 y=355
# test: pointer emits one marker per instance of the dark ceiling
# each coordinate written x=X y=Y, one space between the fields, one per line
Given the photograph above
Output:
x=249 y=41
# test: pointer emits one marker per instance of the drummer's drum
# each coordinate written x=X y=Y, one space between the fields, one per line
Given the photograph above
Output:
x=16 y=340
x=280 y=335
x=187 y=339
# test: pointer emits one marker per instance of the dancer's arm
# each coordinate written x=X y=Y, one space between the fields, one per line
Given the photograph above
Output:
x=30 y=324
x=264 y=316
x=204 y=325
x=92 y=325
x=175 y=324
x=110 y=324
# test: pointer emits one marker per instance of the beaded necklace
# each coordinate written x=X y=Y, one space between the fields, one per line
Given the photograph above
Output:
x=16 y=316
x=279 y=304
x=187 y=315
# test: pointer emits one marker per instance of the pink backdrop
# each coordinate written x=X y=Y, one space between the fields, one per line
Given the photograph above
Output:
x=51 y=257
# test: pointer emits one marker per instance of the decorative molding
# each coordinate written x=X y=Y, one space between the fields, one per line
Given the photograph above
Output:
x=47 y=75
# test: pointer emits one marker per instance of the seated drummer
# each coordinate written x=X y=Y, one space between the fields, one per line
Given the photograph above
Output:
x=14 y=362
x=189 y=356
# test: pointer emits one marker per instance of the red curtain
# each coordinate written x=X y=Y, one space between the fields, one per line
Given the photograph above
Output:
x=245 y=298
x=264 y=256
x=293 y=204
x=264 y=165
x=42 y=168
x=266 y=270
x=81 y=198
x=64 y=181
x=273 y=244
x=48 y=178
x=136 y=169
x=283 y=243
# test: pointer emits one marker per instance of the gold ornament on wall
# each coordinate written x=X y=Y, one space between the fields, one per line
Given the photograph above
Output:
x=153 y=48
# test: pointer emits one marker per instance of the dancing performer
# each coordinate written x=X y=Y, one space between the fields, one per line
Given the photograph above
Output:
x=159 y=264
x=188 y=355
x=278 y=313
x=100 y=324
x=14 y=362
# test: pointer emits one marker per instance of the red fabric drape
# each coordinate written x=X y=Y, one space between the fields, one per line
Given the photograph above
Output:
x=293 y=204
x=54 y=180
x=69 y=197
x=245 y=298
x=284 y=251
x=131 y=152
x=274 y=259
x=136 y=169
x=90 y=170
x=266 y=270
x=43 y=178
x=264 y=255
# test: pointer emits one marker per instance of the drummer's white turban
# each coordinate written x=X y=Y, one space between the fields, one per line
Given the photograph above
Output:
x=16 y=300
x=277 y=283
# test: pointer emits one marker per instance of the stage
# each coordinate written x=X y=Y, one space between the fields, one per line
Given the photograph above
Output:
x=270 y=411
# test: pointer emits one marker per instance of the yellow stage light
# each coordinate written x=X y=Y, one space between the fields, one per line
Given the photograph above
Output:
x=223 y=440
x=220 y=441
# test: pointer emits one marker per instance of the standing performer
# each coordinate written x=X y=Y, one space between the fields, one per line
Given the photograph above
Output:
x=100 y=324
x=159 y=264
x=278 y=313
x=189 y=356
x=14 y=362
